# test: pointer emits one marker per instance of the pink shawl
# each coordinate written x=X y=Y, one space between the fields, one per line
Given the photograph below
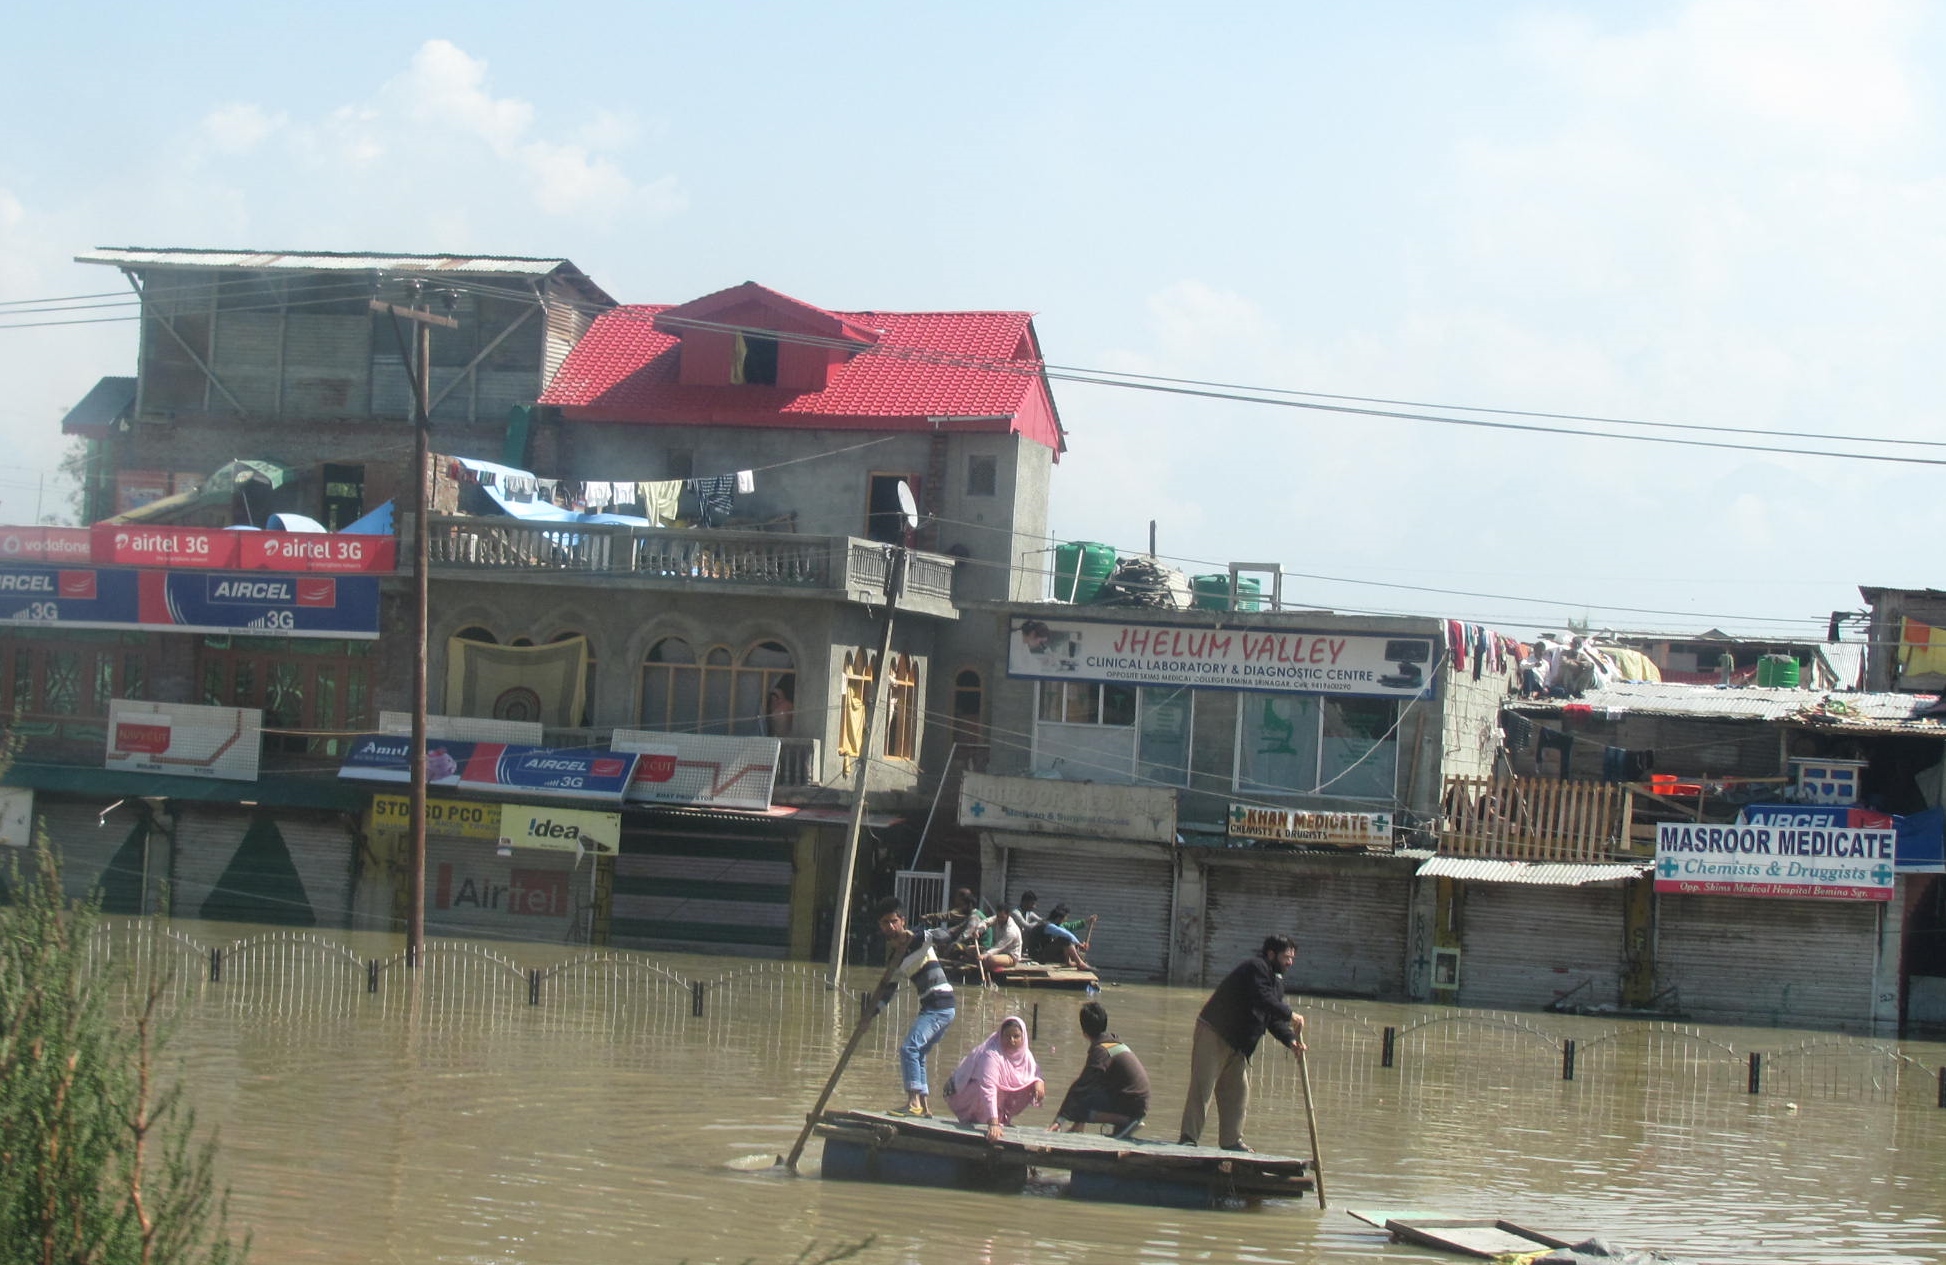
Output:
x=991 y=1084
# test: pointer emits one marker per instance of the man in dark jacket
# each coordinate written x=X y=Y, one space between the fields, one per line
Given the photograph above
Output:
x=1248 y=1003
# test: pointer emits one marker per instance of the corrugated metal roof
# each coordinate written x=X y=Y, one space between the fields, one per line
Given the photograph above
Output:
x=1538 y=873
x=1826 y=709
x=335 y=261
x=107 y=402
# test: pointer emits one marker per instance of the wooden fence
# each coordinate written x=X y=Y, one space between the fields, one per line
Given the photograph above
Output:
x=1512 y=818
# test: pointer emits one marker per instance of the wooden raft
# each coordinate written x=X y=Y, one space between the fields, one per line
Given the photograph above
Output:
x=1027 y=975
x=877 y=1146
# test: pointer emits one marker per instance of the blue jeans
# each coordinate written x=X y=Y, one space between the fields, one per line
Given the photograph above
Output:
x=928 y=1026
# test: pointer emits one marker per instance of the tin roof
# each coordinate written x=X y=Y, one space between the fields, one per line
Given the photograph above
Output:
x=1883 y=713
x=1537 y=873
x=340 y=261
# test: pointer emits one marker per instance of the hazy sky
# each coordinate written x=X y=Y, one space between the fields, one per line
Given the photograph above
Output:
x=1726 y=213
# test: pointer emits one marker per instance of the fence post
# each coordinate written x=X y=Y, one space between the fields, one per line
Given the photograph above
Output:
x=1035 y=1035
x=534 y=986
x=1386 y=1044
x=1942 y=1087
x=696 y=998
x=216 y=966
x=1756 y=1072
x=371 y=975
x=1567 y=1059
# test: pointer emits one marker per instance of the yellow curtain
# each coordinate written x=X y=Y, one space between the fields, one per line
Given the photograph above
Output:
x=851 y=726
x=1922 y=649
x=545 y=683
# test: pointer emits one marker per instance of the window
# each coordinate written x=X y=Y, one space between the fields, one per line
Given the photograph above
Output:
x=969 y=705
x=587 y=681
x=74 y=674
x=1346 y=748
x=982 y=475
x=718 y=693
x=902 y=709
x=858 y=687
x=753 y=362
x=299 y=684
x=1114 y=733
x=477 y=633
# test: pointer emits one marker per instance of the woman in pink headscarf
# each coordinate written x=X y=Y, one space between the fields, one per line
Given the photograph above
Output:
x=996 y=1081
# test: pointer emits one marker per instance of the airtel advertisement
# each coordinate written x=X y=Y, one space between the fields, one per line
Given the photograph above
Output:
x=119 y=544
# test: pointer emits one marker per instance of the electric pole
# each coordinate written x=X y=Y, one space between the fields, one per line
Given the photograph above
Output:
x=420 y=363
x=895 y=558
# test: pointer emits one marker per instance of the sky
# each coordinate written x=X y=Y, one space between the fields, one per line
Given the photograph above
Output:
x=1727 y=213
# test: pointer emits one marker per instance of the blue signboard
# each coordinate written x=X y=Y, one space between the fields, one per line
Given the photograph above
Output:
x=503 y=768
x=269 y=604
x=1921 y=835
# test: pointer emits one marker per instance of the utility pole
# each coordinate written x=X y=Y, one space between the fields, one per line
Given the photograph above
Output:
x=895 y=558
x=420 y=362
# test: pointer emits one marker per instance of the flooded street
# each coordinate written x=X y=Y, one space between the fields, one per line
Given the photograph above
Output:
x=455 y=1120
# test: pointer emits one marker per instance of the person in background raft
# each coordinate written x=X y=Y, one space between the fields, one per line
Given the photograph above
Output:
x=1248 y=1003
x=1113 y=1088
x=914 y=952
x=997 y=1080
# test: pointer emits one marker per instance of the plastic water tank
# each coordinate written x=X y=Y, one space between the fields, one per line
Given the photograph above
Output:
x=1079 y=568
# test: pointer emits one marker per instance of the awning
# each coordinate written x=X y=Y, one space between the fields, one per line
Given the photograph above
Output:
x=1537 y=873
x=113 y=784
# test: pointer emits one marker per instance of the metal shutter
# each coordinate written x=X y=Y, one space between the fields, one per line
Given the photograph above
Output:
x=1350 y=926
x=533 y=895
x=1524 y=945
x=720 y=887
x=1756 y=960
x=1132 y=895
x=88 y=843
x=294 y=868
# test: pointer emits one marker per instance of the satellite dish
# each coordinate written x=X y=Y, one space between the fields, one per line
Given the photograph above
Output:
x=908 y=506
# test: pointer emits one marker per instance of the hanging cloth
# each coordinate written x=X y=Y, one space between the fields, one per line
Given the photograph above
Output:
x=1546 y=740
x=660 y=499
x=1456 y=643
x=624 y=494
x=715 y=498
x=746 y=482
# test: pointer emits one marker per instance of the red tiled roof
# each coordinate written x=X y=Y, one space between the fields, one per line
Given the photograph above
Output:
x=925 y=365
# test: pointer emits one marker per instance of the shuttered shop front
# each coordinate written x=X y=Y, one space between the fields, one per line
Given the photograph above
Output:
x=291 y=868
x=1523 y=945
x=1132 y=894
x=102 y=850
x=1748 y=959
x=542 y=897
x=1349 y=921
x=717 y=884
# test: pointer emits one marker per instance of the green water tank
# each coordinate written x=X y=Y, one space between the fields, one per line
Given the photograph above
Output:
x=1777 y=671
x=1079 y=568
x=1213 y=592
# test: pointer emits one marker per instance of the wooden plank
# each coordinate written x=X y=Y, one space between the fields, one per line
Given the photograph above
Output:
x=1481 y=1237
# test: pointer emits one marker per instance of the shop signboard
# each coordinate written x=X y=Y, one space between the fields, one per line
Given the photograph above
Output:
x=1299 y=825
x=184 y=740
x=130 y=545
x=1222 y=659
x=251 y=602
x=498 y=767
x=1047 y=806
x=16 y=816
x=467 y=819
x=315 y=551
x=1921 y=846
x=1823 y=862
x=52 y=546
x=560 y=829
x=700 y=768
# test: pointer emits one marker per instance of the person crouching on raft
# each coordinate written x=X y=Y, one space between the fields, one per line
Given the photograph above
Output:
x=997 y=1080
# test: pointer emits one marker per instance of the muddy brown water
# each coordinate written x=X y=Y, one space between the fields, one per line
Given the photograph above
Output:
x=447 y=1119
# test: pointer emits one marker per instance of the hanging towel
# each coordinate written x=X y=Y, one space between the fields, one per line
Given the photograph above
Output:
x=1456 y=643
x=746 y=482
x=1479 y=651
x=660 y=499
x=715 y=497
x=597 y=494
x=1546 y=740
x=624 y=494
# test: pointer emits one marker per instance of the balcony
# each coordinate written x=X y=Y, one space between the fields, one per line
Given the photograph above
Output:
x=845 y=568
x=1510 y=818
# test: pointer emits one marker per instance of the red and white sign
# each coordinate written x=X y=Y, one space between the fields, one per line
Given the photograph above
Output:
x=700 y=769
x=316 y=551
x=184 y=740
x=128 y=545
x=52 y=546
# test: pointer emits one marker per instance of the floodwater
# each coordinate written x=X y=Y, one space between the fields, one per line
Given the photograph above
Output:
x=448 y=1117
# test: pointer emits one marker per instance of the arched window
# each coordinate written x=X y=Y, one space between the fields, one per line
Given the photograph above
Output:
x=672 y=686
x=588 y=678
x=902 y=709
x=765 y=692
x=858 y=688
x=473 y=632
x=969 y=704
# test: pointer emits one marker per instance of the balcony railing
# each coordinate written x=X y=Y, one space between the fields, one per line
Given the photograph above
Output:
x=1512 y=818
x=843 y=563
